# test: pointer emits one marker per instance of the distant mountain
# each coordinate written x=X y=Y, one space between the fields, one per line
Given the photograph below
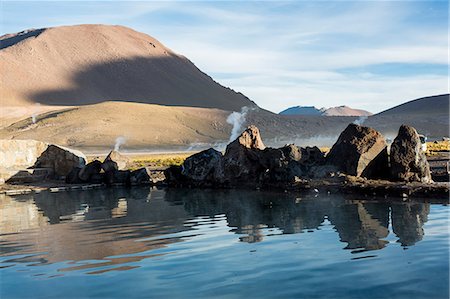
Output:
x=333 y=111
x=88 y=64
x=428 y=105
x=429 y=115
x=301 y=110
x=345 y=111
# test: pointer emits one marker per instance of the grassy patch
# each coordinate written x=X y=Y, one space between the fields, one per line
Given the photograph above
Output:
x=158 y=160
x=436 y=147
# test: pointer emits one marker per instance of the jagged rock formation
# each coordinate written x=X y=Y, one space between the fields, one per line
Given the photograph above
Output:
x=359 y=151
x=355 y=148
x=30 y=160
x=408 y=161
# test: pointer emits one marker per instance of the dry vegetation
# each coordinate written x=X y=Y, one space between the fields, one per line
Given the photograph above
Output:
x=158 y=160
x=437 y=147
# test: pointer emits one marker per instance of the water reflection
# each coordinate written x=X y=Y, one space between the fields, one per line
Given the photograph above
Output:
x=120 y=226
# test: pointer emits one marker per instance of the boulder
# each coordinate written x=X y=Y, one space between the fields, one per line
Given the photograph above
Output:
x=355 y=148
x=173 y=176
x=407 y=159
x=121 y=177
x=378 y=168
x=140 y=176
x=203 y=166
x=62 y=160
x=311 y=156
x=115 y=161
x=72 y=176
x=242 y=160
x=250 y=138
x=91 y=169
x=282 y=164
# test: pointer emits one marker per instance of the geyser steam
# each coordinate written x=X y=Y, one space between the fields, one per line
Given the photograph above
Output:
x=237 y=119
x=35 y=113
x=360 y=120
x=119 y=142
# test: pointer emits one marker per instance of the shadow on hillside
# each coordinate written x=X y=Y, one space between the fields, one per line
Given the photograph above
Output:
x=11 y=41
x=170 y=80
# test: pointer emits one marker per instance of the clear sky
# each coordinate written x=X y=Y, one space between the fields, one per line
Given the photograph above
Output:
x=365 y=54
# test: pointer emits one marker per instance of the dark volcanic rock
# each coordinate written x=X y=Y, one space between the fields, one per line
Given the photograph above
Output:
x=72 y=176
x=355 y=148
x=174 y=177
x=88 y=171
x=408 y=161
x=121 y=177
x=378 y=168
x=115 y=161
x=311 y=156
x=140 y=176
x=203 y=166
x=242 y=159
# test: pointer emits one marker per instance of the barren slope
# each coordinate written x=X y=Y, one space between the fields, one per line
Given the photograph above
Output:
x=345 y=111
x=142 y=125
x=147 y=126
x=429 y=115
x=86 y=64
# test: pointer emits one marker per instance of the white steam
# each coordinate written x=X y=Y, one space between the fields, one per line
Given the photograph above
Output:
x=360 y=120
x=35 y=113
x=237 y=120
x=119 y=142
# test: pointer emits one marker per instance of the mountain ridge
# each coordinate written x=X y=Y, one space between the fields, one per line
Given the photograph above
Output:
x=88 y=64
x=332 y=111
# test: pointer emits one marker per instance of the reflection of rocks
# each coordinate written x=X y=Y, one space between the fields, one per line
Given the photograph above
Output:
x=408 y=220
x=138 y=214
x=10 y=209
x=123 y=216
x=361 y=225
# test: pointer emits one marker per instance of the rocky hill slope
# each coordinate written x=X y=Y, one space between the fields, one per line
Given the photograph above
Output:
x=88 y=64
x=429 y=115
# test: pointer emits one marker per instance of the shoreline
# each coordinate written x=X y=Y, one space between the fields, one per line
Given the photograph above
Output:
x=437 y=192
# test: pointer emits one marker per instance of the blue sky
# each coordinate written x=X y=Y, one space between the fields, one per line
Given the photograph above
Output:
x=366 y=54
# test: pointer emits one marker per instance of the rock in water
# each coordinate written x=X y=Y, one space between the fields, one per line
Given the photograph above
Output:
x=72 y=176
x=61 y=159
x=115 y=161
x=355 y=148
x=140 y=176
x=88 y=171
x=203 y=166
x=241 y=161
x=408 y=161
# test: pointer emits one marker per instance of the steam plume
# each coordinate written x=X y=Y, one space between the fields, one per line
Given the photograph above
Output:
x=237 y=120
x=35 y=113
x=119 y=141
x=360 y=120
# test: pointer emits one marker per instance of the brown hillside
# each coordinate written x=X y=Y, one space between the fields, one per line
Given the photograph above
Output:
x=87 y=64
x=429 y=115
x=345 y=111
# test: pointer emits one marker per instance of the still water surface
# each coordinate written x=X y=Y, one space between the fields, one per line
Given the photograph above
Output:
x=145 y=243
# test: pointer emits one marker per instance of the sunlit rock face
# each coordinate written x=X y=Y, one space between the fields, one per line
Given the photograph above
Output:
x=18 y=156
x=242 y=157
x=408 y=161
x=355 y=148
